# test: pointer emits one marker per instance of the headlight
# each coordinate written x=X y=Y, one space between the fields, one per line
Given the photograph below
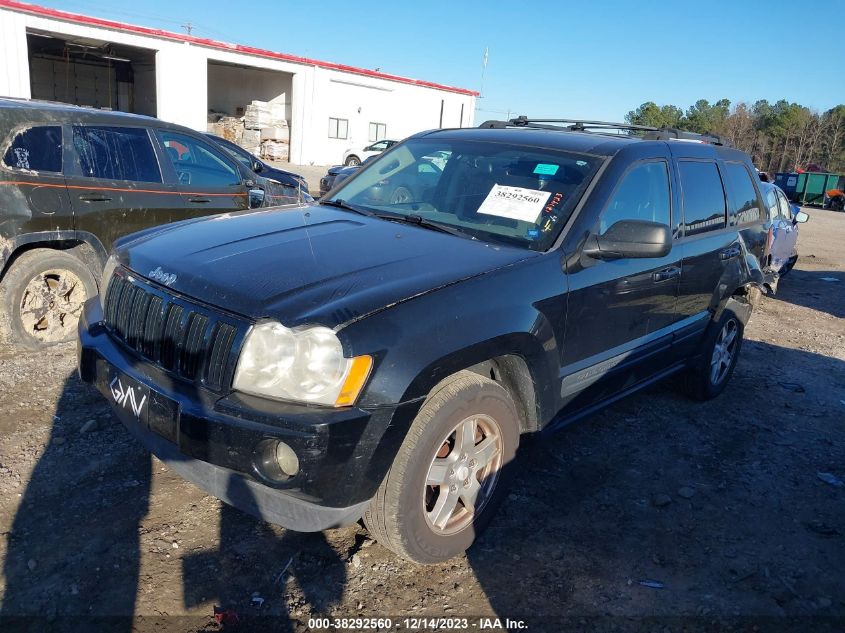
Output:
x=304 y=365
x=108 y=271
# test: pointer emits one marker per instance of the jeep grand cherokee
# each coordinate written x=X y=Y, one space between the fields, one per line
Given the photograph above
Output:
x=381 y=358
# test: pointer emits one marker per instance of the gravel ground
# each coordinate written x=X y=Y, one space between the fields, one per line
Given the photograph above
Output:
x=657 y=506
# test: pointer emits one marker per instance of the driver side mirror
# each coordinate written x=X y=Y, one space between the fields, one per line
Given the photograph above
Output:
x=630 y=239
x=800 y=217
x=257 y=167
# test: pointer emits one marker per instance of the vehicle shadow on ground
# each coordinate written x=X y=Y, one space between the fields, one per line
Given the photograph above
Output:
x=660 y=507
x=813 y=289
x=67 y=556
x=580 y=532
x=259 y=561
x=74 y=550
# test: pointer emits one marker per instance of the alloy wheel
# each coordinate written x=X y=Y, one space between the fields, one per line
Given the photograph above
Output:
x=463 y=474
x=723 y=352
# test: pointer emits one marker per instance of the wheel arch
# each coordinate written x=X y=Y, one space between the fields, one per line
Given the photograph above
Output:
x=517 y=361
x=83 y=245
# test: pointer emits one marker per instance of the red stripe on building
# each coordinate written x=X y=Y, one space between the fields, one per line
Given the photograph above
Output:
x=76 y=18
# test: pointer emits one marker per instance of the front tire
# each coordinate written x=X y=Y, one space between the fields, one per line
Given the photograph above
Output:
x=710 y=374
x=42 y=297
x=352 y=161
x=450 y=473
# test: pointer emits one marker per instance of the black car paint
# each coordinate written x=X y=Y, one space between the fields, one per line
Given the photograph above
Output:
x=567 y=333
x=265 y=170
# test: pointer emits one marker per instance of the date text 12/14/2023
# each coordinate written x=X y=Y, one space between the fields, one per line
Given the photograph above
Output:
x=421 y=623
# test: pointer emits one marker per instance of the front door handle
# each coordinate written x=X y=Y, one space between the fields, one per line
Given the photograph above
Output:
x=199 y=200
x=664 y=275
x=94 y=197
x=729 y=253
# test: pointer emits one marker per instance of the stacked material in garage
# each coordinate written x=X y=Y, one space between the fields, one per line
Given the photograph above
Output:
x=251 y=141
x=275 y=150
x=262 y=114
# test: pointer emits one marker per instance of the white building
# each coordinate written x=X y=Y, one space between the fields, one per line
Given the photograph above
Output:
x=50 y=54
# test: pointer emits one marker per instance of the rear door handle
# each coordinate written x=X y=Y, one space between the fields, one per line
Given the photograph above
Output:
x=94 y=197
x=199 y=200
x=668 y=273
x=729 y=253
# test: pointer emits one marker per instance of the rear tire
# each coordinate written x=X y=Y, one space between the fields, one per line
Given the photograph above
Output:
x=352 y=161
x=450 y=473
x=710 y=374
x=42 y=295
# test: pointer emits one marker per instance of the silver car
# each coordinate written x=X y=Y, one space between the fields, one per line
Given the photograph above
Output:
x=783 y=218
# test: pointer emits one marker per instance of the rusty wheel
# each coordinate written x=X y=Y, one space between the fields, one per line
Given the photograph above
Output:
x=44 y=294
x=51 y=305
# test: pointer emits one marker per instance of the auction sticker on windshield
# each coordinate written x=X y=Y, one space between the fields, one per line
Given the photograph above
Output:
x=514 y=203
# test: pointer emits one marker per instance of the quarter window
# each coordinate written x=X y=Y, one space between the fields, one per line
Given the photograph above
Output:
x=642 y=195
x=338 y=128
x=377 y=131
x=116 y=153
x=196 y=163
x=704 y=198
x=742 y=194
x=37 y=149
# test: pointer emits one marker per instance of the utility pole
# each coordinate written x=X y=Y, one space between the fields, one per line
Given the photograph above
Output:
x=483 y=71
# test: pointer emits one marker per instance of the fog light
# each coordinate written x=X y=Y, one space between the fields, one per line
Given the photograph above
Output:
x=286 y=459
x=275 y=461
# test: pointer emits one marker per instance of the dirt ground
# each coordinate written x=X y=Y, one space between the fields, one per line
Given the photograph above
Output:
x=659 y=507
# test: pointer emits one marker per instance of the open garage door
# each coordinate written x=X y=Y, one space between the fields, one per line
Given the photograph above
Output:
x=92 y=73
x=251 y=107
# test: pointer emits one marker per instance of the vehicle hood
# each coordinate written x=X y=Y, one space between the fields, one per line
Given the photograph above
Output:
x=306 y=264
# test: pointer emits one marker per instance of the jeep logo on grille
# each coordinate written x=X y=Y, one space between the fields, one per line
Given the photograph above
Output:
x=162 y=277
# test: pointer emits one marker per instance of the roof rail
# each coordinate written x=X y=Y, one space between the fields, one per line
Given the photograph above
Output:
x=670 y=133
x=578 y=125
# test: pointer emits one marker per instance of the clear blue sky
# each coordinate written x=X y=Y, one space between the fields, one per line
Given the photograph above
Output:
x=586 y=59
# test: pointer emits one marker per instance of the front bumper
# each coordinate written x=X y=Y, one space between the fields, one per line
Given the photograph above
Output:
x=213 y=440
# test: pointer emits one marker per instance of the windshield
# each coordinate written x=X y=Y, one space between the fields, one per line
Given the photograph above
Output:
x=491 y=191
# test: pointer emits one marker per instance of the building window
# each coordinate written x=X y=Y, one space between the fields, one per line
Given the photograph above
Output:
x=378 y=131
x=338 y=128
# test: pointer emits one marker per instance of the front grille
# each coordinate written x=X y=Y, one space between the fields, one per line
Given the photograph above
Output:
x=186 y=339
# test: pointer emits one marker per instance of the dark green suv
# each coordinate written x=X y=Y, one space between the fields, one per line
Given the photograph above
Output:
x=72 y=180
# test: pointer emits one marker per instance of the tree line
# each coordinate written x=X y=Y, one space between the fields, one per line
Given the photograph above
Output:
x=779 y=137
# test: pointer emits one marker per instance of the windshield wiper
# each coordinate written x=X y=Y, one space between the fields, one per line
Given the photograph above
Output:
x=426 y=224
x=342 y=204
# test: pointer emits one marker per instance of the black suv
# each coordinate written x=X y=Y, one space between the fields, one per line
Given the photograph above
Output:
x=74 y=179
x=369 y=357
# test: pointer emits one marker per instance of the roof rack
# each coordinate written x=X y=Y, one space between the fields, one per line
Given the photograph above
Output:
x=579 y=125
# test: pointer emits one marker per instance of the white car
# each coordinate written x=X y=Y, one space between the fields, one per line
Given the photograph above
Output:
x=356 y=155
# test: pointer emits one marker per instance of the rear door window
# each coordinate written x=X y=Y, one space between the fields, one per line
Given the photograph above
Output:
x=197 y=163
x=784 y=208
x=772 y=204
x=116 y=153
x=742 y=194
x=642 y=195
x=38 y=148
x=704 y=198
